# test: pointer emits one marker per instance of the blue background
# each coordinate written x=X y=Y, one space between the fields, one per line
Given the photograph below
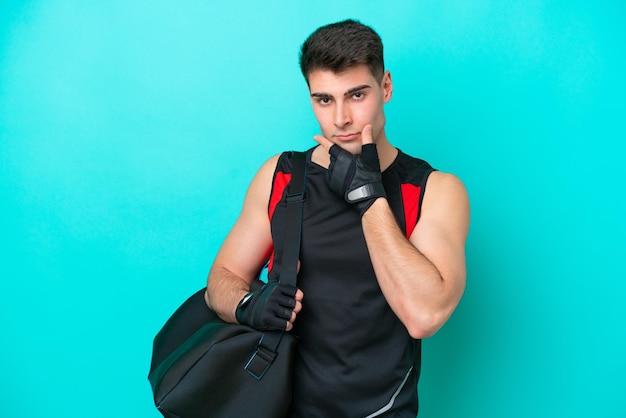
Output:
x=129 y=131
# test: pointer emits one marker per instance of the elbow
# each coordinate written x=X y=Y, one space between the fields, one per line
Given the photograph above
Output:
x=425 y=325
x=422 y=331
x=423 y=320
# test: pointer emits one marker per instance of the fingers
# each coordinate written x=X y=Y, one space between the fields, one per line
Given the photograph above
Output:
x=294 y=315
x=296 y=309
x=366 y=135
x=289 y=307
x=297 y=303
x=294 y=305
x=323 y=141
x=284 y=313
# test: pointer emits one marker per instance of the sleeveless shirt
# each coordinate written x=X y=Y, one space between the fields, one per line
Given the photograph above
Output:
x=355 y=357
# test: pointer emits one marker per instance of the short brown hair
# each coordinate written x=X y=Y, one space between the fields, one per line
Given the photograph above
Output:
x=339 y=46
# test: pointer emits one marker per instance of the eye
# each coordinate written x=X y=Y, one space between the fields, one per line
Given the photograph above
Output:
x=323 y=101
x=358 y=95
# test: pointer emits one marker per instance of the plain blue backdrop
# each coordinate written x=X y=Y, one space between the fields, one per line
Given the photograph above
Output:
x=129 y=131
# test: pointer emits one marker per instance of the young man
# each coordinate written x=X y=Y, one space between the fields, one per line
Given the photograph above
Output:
x=373 y=281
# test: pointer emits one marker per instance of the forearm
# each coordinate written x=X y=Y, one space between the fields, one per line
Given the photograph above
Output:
x=272 y=306
x=410 y=282
x=224 y=292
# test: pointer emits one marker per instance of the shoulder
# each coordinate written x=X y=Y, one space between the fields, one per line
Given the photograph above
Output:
x=445 y=213
x=445 y=185
x=261 y=185
x=271 y=173
x=269 y=166
x=446 y=201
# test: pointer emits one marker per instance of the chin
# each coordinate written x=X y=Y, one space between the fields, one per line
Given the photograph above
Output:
x=352 y=148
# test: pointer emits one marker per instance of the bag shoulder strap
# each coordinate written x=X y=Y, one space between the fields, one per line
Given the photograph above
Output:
x=286 y=260
x=294 y=201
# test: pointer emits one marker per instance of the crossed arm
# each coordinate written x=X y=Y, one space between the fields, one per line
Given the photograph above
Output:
x=422 y=278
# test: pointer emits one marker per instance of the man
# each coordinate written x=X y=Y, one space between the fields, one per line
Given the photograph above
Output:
x=373 y=281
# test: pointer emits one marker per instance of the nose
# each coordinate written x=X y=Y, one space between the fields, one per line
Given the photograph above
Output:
x=342 y=116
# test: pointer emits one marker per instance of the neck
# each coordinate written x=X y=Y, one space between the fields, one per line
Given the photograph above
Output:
x=387 y=153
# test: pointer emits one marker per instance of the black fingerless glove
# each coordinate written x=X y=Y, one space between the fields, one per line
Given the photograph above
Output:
x=356 y=178
x=270 y=307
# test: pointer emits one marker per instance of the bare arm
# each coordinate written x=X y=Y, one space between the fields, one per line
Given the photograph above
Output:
x=245 y=250
x=422 y=278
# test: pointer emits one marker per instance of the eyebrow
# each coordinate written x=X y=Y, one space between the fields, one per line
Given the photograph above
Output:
x=347 y=93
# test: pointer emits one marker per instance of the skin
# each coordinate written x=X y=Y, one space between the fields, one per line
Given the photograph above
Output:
x=343 y=104
x=423 y=277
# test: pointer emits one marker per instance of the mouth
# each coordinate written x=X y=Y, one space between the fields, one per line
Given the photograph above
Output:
x=347 y=137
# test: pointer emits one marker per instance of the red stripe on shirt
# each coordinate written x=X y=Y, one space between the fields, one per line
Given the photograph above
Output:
x=410 y=198
x=281 y=180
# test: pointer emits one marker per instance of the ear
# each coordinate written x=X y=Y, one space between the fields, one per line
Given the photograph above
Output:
x=387 y=86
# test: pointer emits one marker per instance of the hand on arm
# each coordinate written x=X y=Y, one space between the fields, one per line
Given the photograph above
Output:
x=422 y=278
x=242 y=256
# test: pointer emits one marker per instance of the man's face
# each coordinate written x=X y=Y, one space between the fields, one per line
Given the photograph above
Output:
x=345 y=102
